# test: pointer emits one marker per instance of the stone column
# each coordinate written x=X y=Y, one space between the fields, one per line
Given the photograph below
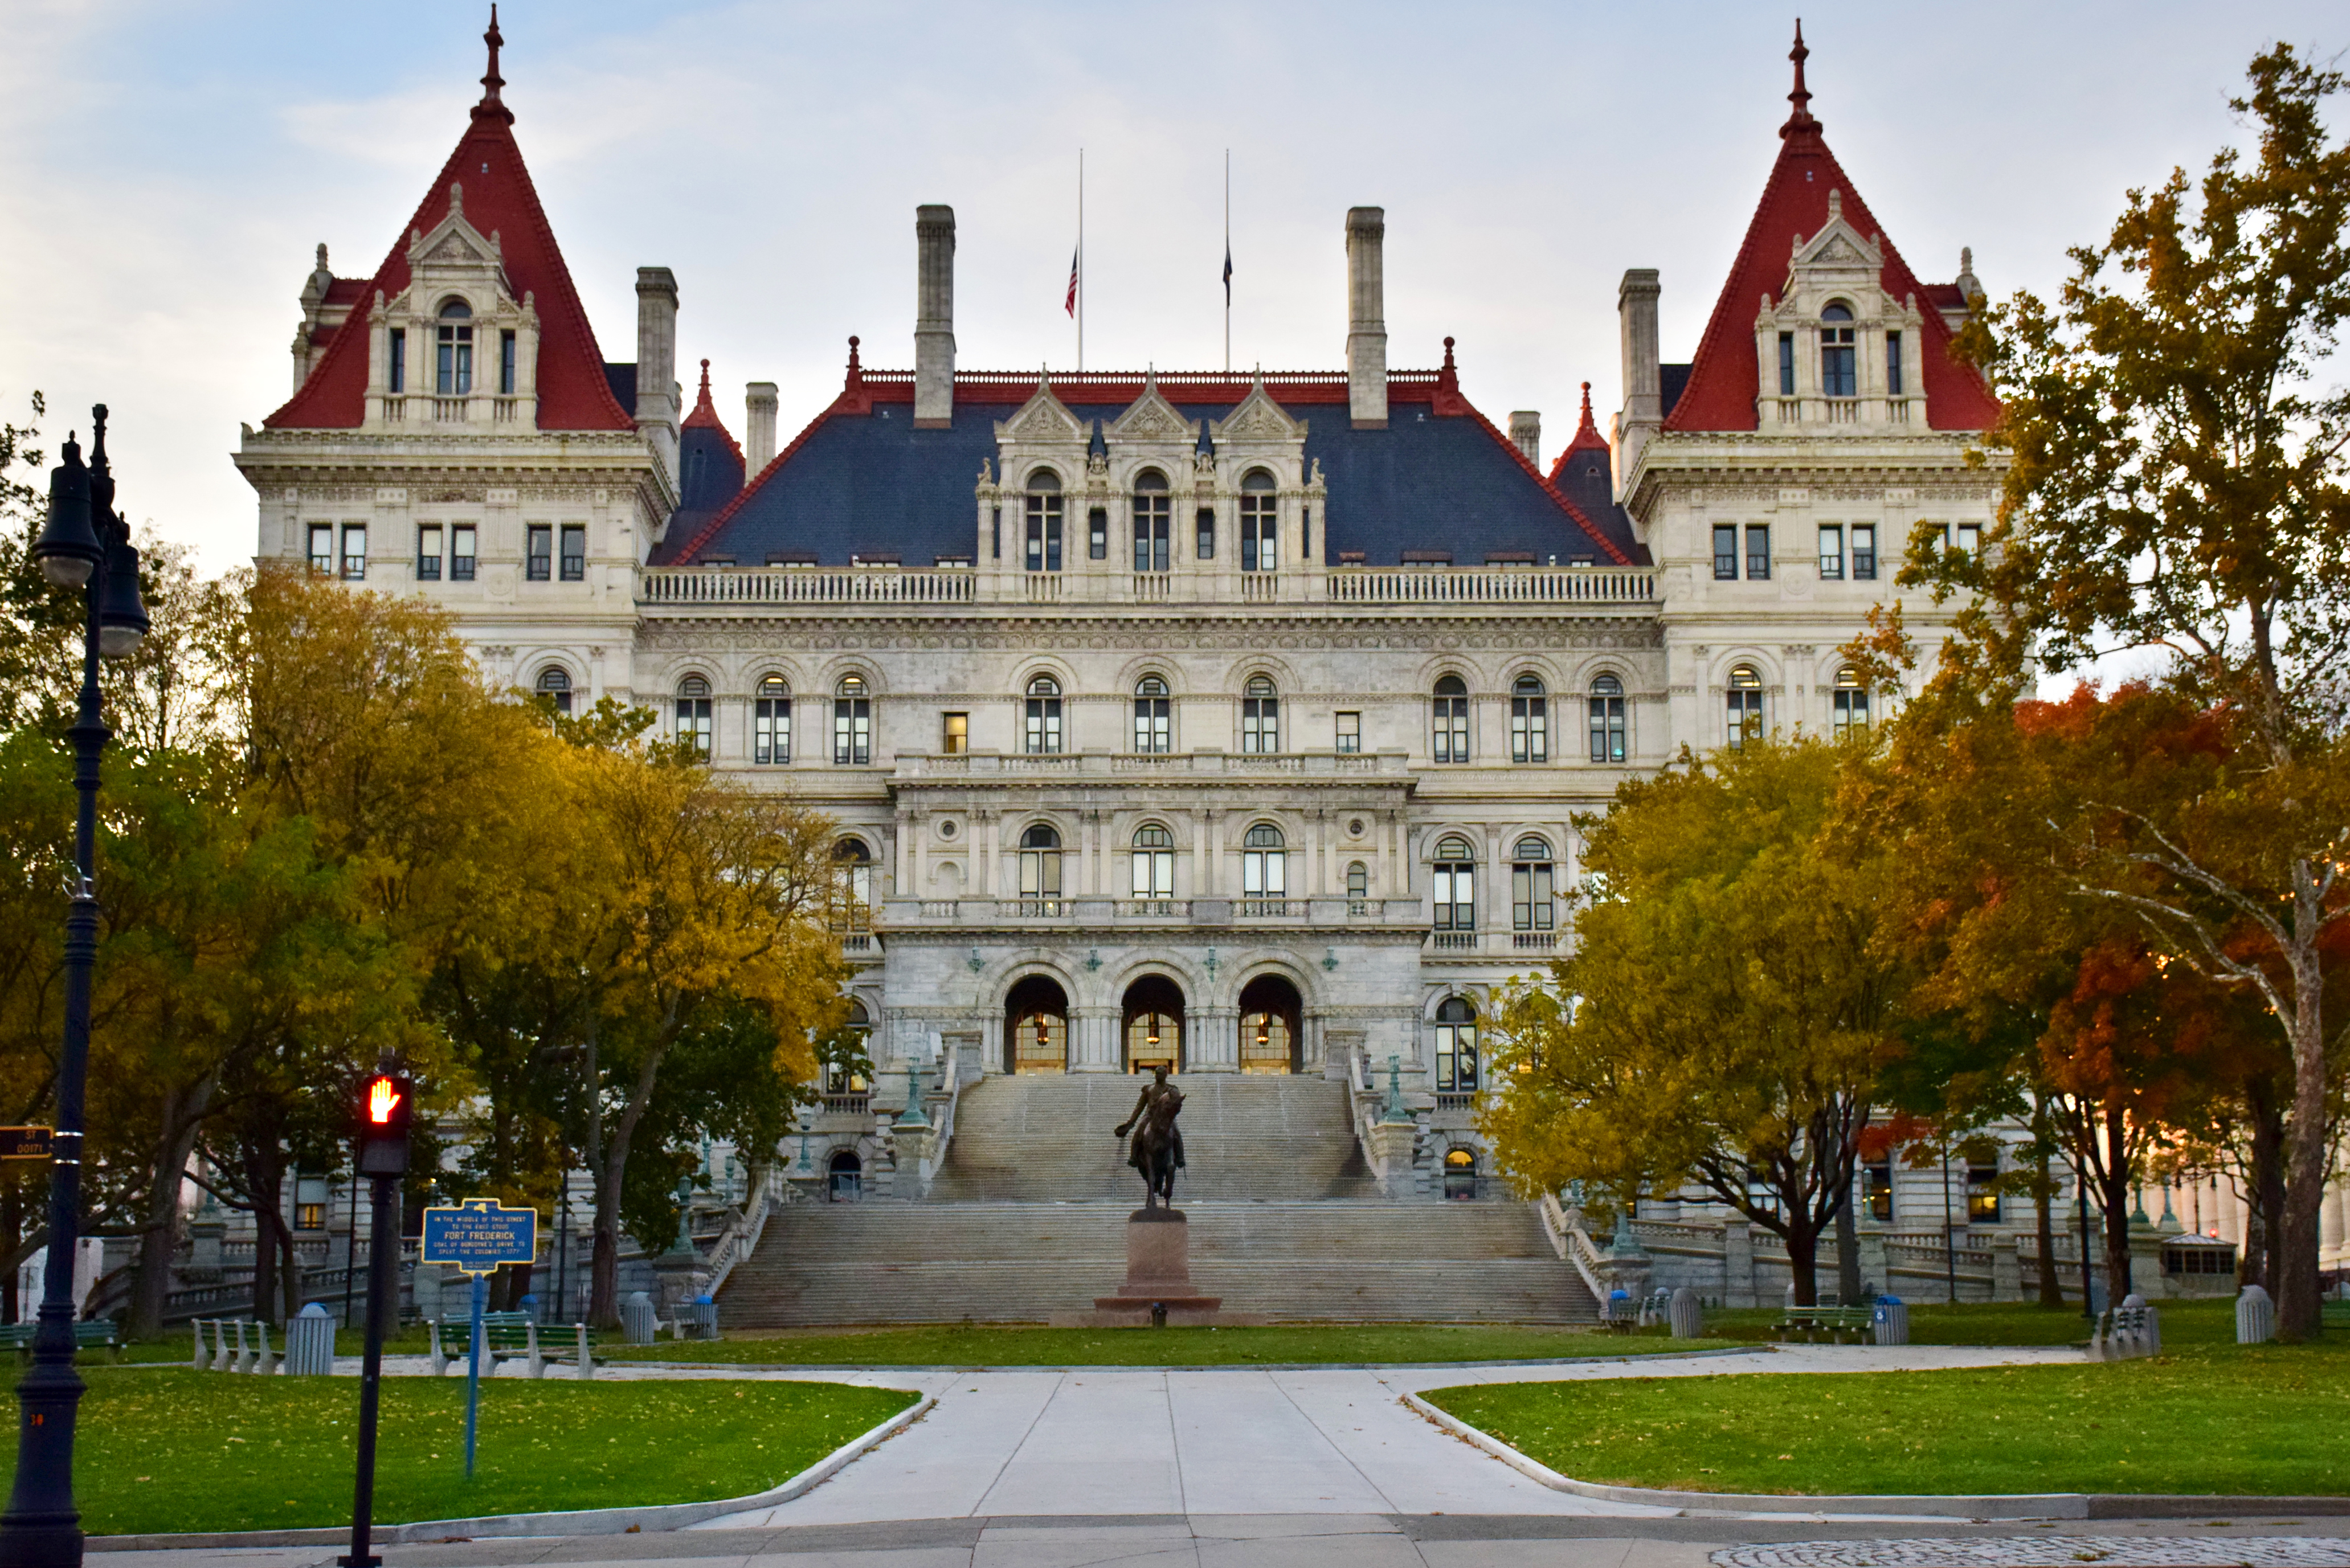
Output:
x=1737 y=1263
x=2006 y=1269
x=1201 y=879
x=934 y=340
x=1093 y=1039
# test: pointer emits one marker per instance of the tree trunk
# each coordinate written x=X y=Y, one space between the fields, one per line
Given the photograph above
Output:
x=159 y=1239
x=2113 y=1201
x=291 y=1283
x=604 y=1290
x=1804 y=1262
x=2043 y=1197
x=1847 y=1231
x=2296 y=1288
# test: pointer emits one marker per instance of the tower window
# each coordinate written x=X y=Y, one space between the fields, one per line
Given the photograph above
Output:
x=1260 y=523
x=1044 y=522
x=452 y=369
x=1893 y=385
x=507 y=361
x=1837 y=379
x=574 y=552
x=771 y=721
x=396 y=371
x=1098 y=535
x=1787 y=364
x=1152 y=508
x=1725 y=552
x=1606 y=720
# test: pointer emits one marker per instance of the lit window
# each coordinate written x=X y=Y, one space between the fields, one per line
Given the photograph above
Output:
x=1878 y=1183
x=1745 y=704
x=1725 y=552
x=554 y=685
x=1350 y=733
x=1260 y=523
x=1831 y=551
x=539 y=556
x=1606 y=720
x=1152 y=508
x=453 y=367
x=1449 y=722
x=1153 y=717
x=1455 y=886
x=1044 y=733
x=1456 y=1046
x=693 y=714
x=1836 y=374
x=1260 y=716
x=354 y=550
x=1982 y=1195
x=1529 y=721
x=1154 y=863
x=852 y=885
x=1864 y=553
x=428 y=553
x=955 y=737
x=852 y=723
x=1044 y=521
x=461 y=552
x=1532 y=906
x=1851 y=714
x=1040 y=871
x=574 y=552
x=771 y=721
x=1264 y=867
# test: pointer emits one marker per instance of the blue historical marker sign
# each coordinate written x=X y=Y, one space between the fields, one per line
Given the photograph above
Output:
x=479 y=1235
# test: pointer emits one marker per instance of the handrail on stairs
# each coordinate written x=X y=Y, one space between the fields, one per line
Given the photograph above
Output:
x=741 y=1237
x=1570 y=1241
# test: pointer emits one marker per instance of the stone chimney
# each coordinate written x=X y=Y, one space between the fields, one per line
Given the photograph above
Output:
x=1636 y=318
x=758 y=427
x=935 y=344
x=658 y=397
x=1525 y=434
x=1366 y=323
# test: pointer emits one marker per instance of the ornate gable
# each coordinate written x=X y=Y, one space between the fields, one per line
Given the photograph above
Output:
x=1151 y=417
x=1257 y=417
x=1043 y=418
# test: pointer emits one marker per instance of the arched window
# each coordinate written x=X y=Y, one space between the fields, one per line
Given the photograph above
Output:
x=1265 y=871
x=1533 y=902
x=693 y=714
x=1745 y=704
x=1040 y=871
x=1456 y=1047
x=554 y=685
x=1260 y=716
x=1455 y=888
x=1044 y=733
x=1529 y=721
x=852 y=723
x=1152 y=508
x=1461 y=1174
x=1851 y=713
x=1358 y=888
x=1260 y=523
x=1037 y=1026
x=852 y=892
x=453 y=367
x=1044 y=521
x=1606 y=720
x=1837 y=352
x=1448 y=732
x=1154 y=863
x=845 y=1177
x=1154 y=724
x=842 y=1077
x=771 y=721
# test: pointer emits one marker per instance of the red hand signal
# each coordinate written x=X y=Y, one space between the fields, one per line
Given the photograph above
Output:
x=381 y=1098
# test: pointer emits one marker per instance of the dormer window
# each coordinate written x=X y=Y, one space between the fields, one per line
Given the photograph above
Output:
x=1152 y=508
x=398 y=367
x=1045 y=520
x=1893 y=381
x=454 y=364
x=1260 y=523
x=1837 y=374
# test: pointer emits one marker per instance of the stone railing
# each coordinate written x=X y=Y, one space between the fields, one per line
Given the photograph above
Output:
x=744 y=1224
x=1490 y=585
x=1170 y=765
x=1574 y=1246
x=1101 y=910
x=801 y=585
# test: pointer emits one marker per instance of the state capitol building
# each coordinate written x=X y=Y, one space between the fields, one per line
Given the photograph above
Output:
x=1238 y=722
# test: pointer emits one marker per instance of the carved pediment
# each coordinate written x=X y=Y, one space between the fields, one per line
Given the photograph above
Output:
x=1043 y=418
x=1257 y=417
x=1151 y=417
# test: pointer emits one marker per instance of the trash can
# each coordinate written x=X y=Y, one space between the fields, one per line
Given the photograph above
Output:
x=1891 y=1321
x=2255 y=1317
x=638 y=1319
x=701 y=1316
x=310 y=1344
x=1687 y=1316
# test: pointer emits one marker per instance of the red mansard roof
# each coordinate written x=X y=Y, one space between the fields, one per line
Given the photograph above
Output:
x=499 y=196
x=1724 y=375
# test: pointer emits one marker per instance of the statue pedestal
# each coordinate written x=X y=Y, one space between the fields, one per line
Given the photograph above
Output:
x=1158 y=1276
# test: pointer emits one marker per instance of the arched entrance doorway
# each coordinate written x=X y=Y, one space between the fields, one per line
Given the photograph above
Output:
x=1154 y=1025
x=1461 y=1174
x=1271 y=1025
x=848 y=1176
x=1037 y=1026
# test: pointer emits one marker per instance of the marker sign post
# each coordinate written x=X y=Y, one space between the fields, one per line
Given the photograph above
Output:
x=474 y=1238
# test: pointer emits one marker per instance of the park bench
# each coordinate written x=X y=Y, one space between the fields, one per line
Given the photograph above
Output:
x=94 y=1332
x=223 y=1356
x=1836 y=1322
x=508 y=1336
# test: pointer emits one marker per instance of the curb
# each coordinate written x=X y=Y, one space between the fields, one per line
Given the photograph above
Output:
x=1212 y=1367
x=650 y=1518
x=1980 y=1507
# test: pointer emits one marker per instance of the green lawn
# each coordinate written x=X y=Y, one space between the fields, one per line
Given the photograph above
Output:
x=1001 y=1345
x=164 y=1450
x=2203 y=1418
x=2001 y=1323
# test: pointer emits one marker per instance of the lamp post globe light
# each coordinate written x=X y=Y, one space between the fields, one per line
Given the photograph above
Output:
x=86 y=545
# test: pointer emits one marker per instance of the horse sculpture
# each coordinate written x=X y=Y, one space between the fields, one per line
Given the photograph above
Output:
x=1156 y=1148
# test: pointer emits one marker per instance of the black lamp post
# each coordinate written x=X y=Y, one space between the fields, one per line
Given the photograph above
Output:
x=86 y=545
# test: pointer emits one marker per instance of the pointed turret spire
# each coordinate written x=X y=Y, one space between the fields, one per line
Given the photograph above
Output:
x=492 y=107
x=704 y=411
x=1587 y=431
x=1801 y=120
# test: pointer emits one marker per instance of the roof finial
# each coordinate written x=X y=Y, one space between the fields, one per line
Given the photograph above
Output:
x=705 y=378
x=1801 y=120
x=1585 y=424
x=492 y=107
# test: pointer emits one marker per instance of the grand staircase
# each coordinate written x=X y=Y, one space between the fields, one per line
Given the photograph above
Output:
x=1028 y=1217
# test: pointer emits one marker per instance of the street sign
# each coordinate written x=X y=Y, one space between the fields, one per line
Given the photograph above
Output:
x=479 y=1235
x=24 y=1143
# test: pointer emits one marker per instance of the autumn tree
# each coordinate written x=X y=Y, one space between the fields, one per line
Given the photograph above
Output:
x=2175 y=483
x=1725 y=1010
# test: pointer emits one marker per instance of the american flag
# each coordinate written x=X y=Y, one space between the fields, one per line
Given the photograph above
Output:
x=1070 y=304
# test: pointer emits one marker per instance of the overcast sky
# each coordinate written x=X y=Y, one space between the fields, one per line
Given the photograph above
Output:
x=170 y=167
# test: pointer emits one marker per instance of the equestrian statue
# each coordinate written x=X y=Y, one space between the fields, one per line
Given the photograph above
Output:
x=1156 y=1148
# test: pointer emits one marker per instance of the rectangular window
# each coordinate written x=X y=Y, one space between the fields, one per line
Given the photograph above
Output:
x=322 y=547
x=1045 y=535
x=507 y=362
x=309 y=1215
x=461 y=552
x=1787 y=364
x=1306 y=533
x=1260 y=532
x=1757 y=551
x=995 y=534
x=1264 y=874
x=539 y=560
x=1850 y=710
x=354 y=550
x=1350 y=733
x=1153 y=719
x=1608 y=723
x=1970 y=538
x=1153 y=869
x=1831 y=551
x=956 y=739
x=1838 y=375
x=1725 y=552
x=1878 y=1184
x=397 y=369
x=428 y=553
x=1982 y=1195
x=1098 y=535
x=852 y=732
x=1043 y=732
x=1151 y=545
x=1260 y=725
x=454 y=370
x=1893 y=365
x=574 y=552
x=1529 y=729
x=1358 y=889
x=1864 y=552
x=1455 y=890
x=1204 y=546
x=693 y=720
x=771 y=729
x=1532 y=907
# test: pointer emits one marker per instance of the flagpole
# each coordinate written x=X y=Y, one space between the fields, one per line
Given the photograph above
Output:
x=1227 y=260
x=1081 y=261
